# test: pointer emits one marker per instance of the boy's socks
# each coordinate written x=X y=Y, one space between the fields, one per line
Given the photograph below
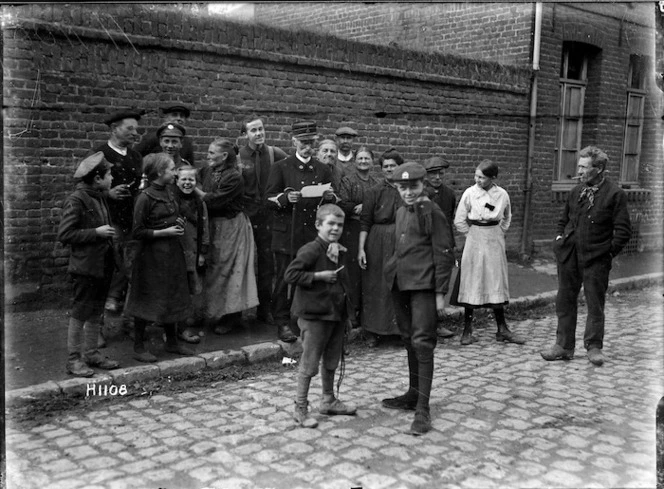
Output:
x=91 y=335
x=413 y=370
x=327 y=380
x=302 y=394
x=75 y=337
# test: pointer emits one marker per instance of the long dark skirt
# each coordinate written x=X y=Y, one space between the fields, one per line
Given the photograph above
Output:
x=159 y=289
x=377 y=309
x=350 y=240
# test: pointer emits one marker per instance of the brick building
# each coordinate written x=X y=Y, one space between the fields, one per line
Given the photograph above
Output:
x=594 y=84
x=66 y=68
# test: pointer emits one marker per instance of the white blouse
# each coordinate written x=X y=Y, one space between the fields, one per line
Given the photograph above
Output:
x=473 y=206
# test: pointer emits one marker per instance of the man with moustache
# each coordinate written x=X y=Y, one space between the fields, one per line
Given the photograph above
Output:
x=593 y=228
x=257 y=159
x=126 y=171
x=345 y=136
x=294 y=215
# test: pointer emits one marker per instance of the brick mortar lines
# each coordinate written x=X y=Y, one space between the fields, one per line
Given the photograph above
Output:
x=266 y=55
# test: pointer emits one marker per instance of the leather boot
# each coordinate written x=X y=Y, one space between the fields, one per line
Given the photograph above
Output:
x=284 y=333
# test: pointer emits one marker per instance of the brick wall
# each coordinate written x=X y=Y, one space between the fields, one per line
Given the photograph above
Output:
x=66 y=68
x=492 y=31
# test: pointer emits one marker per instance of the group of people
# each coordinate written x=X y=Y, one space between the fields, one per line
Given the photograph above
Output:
x=318 y=241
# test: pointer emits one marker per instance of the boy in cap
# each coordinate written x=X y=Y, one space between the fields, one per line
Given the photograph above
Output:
x=177 y=114
x=294 y=215
x=418 y=273
x=86 y=227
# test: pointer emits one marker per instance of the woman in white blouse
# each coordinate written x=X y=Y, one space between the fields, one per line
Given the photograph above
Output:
x=483 y=216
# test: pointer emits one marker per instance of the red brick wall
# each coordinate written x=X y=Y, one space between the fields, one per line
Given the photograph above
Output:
x=66 y=68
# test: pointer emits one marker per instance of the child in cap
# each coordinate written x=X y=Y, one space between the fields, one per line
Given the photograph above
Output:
x=195 y=242
x=418 y=274
x=320 y=304
x=86 y=227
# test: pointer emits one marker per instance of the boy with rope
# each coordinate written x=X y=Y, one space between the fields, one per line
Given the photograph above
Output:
x=320 y=303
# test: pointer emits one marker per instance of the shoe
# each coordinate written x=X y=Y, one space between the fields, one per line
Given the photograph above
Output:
x=557 y=352
x=96 y=360
x=372 y=340
x=509 y=337
x=78 y=368
x=443 y=332
x=112 y=305
x=285 y=334
x=403 y=402
x=336 y=407
x=179 y=349
x=596 y=356
x=145 y=357
x=302 y=418
x=189 y=337
x=421 y=423
x=468 y=339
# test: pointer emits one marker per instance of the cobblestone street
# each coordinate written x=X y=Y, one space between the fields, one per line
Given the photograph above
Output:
x=502 y=417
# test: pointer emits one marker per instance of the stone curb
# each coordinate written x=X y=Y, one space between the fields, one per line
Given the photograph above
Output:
x=250 y=354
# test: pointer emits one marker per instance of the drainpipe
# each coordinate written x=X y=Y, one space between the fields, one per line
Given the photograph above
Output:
x=525 y=251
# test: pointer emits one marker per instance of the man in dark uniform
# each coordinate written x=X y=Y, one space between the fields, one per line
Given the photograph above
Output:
x=126 y=171
x=170 y=136
x=294 y=215
x=257 y=159
x=593 y=228
x=150 y=142
x=442 y=195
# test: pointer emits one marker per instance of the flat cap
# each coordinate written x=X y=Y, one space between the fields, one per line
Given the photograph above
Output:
x=436 y=163
x=90 y=163
x=123 y=114
x=175 y=108
x=346 y=131
x=408 y=172
x=304 y=129
x=171 y=129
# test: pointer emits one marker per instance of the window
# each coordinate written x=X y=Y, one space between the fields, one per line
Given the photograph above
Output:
x=573 y=82
x=636 y=94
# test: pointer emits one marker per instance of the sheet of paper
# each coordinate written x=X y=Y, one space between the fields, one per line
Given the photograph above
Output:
x=315 y=190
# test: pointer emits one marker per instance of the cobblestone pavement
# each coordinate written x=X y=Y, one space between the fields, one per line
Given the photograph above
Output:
x=502 y=417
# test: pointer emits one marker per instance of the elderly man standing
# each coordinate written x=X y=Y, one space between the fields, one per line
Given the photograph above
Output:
x=593 y=228
x=257 y=159
x=294 y=215
x=345 y=137
x=126 y=171
x=173 y=114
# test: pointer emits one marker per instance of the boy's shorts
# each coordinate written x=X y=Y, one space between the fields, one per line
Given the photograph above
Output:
x=89 y=296
x=321 y=340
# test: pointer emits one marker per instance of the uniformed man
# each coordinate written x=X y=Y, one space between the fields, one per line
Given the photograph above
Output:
x=294 y=215
x=437 y=191
x=173 y=114
x=170 y=136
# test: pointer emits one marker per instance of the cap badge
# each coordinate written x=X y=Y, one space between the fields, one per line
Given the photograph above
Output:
x=404 y=175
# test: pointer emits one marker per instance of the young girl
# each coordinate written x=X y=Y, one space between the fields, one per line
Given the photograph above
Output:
x=483 y=216
x=159 y=289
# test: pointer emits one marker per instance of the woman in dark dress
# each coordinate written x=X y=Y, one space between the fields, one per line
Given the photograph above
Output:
x=376 y=245
x=159 y=290
x=352 y=189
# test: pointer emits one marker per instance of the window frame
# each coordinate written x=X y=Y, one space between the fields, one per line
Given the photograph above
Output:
x=631 y=122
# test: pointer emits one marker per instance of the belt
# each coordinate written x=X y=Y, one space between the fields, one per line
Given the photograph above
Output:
x=473 y=222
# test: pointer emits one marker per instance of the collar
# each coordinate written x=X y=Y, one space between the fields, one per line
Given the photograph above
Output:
x=303 y=160
x=345 y=158
x=117 y=149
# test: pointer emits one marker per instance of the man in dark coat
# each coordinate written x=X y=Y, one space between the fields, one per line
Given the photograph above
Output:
x=294 y=215
x=126 y=171
x=257 y=158
x=437 y=191
x=594 y=228
x=150 y=142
